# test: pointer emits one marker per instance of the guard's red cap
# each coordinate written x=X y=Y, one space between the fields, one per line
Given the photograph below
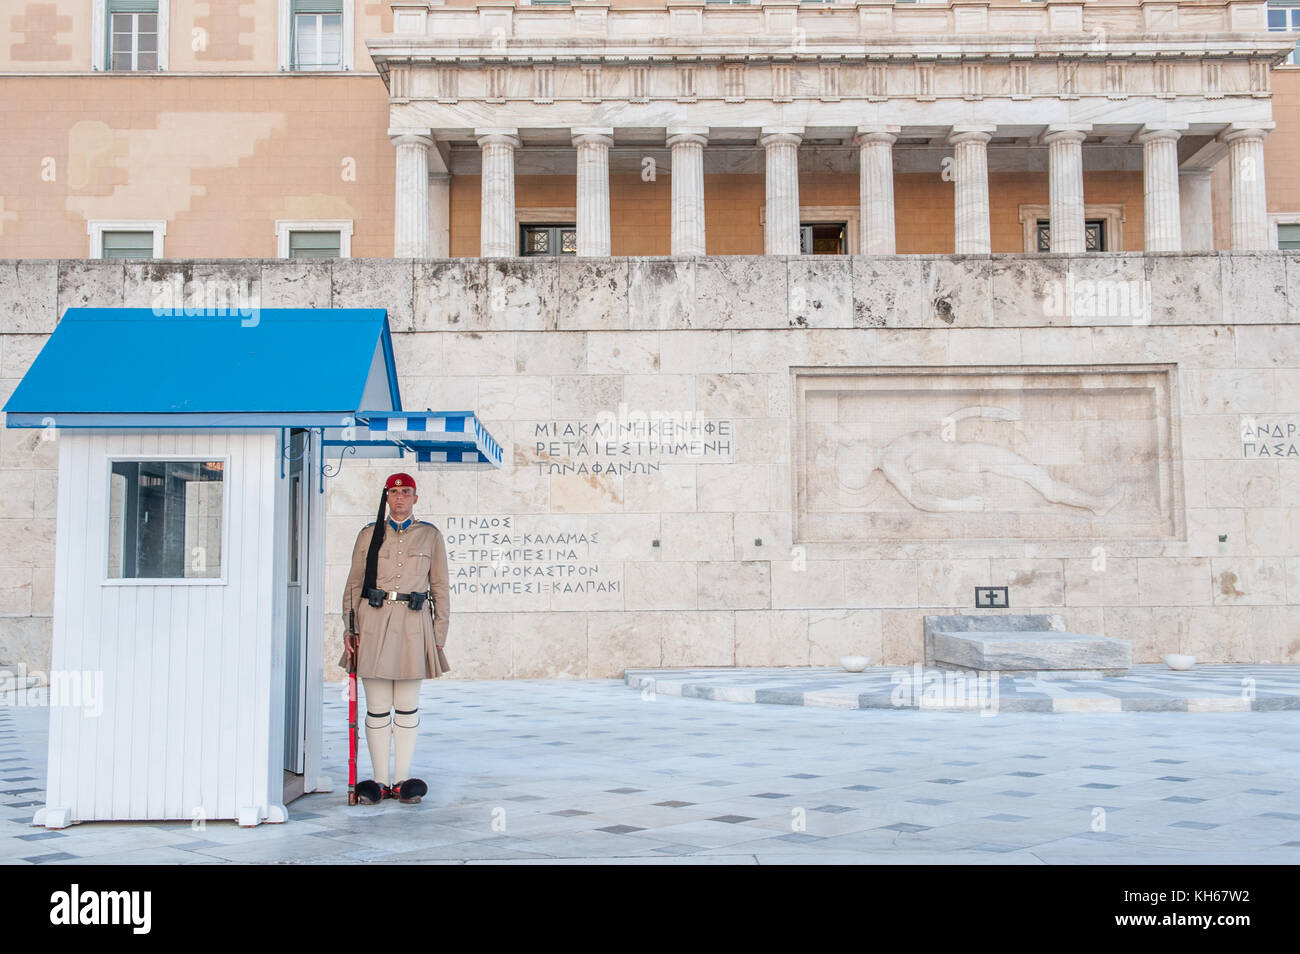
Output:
x=400 y=480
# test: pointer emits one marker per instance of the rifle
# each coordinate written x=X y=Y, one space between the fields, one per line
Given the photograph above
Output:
x=352 y=707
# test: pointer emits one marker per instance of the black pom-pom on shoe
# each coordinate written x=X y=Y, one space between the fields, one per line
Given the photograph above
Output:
x=411 y=791
x=369 y=792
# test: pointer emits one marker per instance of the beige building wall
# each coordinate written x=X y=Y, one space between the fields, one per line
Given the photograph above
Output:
x=45 y=36
x=226 y=35
x=204 y=35
x=218 y=159
x=1282 y=173
x=223 y=144
x=641 y=211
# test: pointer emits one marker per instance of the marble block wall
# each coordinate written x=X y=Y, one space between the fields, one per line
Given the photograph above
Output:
x=684 y=487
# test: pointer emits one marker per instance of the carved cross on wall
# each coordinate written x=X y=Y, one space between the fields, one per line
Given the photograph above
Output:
x=992 y=597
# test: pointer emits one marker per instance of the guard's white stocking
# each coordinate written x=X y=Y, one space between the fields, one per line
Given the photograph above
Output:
x=406 y=718
x=379 y=725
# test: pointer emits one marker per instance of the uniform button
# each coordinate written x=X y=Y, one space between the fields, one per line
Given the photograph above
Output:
x=399 y=564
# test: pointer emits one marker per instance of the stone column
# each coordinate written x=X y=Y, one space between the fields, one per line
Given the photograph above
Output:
x=593 y=190
x=440 y=215
x=876 y=189
x=1249 y=206
x=971 y=177
x=1196 y=209
x=781 y=230
x=688 y=145
x=411 y=194
x=1164 y=231
x=1065 y=162
x=497 y=231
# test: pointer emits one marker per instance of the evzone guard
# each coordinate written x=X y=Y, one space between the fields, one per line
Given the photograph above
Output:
x=397 y=594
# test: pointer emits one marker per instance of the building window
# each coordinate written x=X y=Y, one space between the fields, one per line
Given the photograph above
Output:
x=1094 y=235
x=822 y=238
x=165 y=519
x=1285 y=18
x=548 y=239
x=126 y=239
x=130 y=35
x=128 y=245
x=316 y=35
x=1103 y=227
x=1288 y=235
x=318 y=238
x=133 y=36
x=314 y=245
x=835 y=228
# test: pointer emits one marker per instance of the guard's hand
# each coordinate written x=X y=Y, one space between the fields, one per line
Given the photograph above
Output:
x=350 y=648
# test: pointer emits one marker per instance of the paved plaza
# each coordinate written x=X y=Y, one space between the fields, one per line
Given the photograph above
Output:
x=594 y=770
x=1144 y=688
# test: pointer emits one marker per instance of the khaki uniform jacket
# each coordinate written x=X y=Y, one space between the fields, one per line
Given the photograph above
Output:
x=397 y=642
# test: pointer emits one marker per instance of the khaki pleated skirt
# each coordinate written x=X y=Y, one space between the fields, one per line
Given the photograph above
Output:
x=397 y=642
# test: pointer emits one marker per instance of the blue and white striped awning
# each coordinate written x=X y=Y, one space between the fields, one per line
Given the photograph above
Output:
x=438 y=439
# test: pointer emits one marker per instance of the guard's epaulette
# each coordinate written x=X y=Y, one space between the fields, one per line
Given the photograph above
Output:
x=426 y=523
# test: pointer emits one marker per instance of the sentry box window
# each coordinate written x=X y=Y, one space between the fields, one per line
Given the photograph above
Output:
x=164 y=519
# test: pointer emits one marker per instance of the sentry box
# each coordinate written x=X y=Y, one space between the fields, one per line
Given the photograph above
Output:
x=190 y=550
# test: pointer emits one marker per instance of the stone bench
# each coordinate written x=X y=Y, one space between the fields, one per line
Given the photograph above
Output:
x=1022 y=643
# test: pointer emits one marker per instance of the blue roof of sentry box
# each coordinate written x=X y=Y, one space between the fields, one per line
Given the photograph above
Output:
x=131 y=367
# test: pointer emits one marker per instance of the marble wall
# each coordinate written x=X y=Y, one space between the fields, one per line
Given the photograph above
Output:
x=663 y=503
x=1014 y=453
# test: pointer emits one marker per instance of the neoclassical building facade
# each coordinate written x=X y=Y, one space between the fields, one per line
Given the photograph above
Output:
x=279 y=128
x=1163 y=90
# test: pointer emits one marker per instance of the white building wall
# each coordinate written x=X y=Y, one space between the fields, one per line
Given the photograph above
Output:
x=192 y=675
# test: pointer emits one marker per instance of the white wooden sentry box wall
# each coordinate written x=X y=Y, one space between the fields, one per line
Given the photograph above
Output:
x=192 y=722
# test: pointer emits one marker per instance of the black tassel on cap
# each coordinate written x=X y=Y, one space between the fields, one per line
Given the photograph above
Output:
x=376 y=541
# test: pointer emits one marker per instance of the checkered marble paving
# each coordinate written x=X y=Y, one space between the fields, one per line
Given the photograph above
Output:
x=586 y=771
x=1225 y=688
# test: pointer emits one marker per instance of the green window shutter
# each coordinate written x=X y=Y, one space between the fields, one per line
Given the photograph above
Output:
x=132 y=6
x=1288 y=236
x=128 y=245
x=314 y=245
x=317 y=6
